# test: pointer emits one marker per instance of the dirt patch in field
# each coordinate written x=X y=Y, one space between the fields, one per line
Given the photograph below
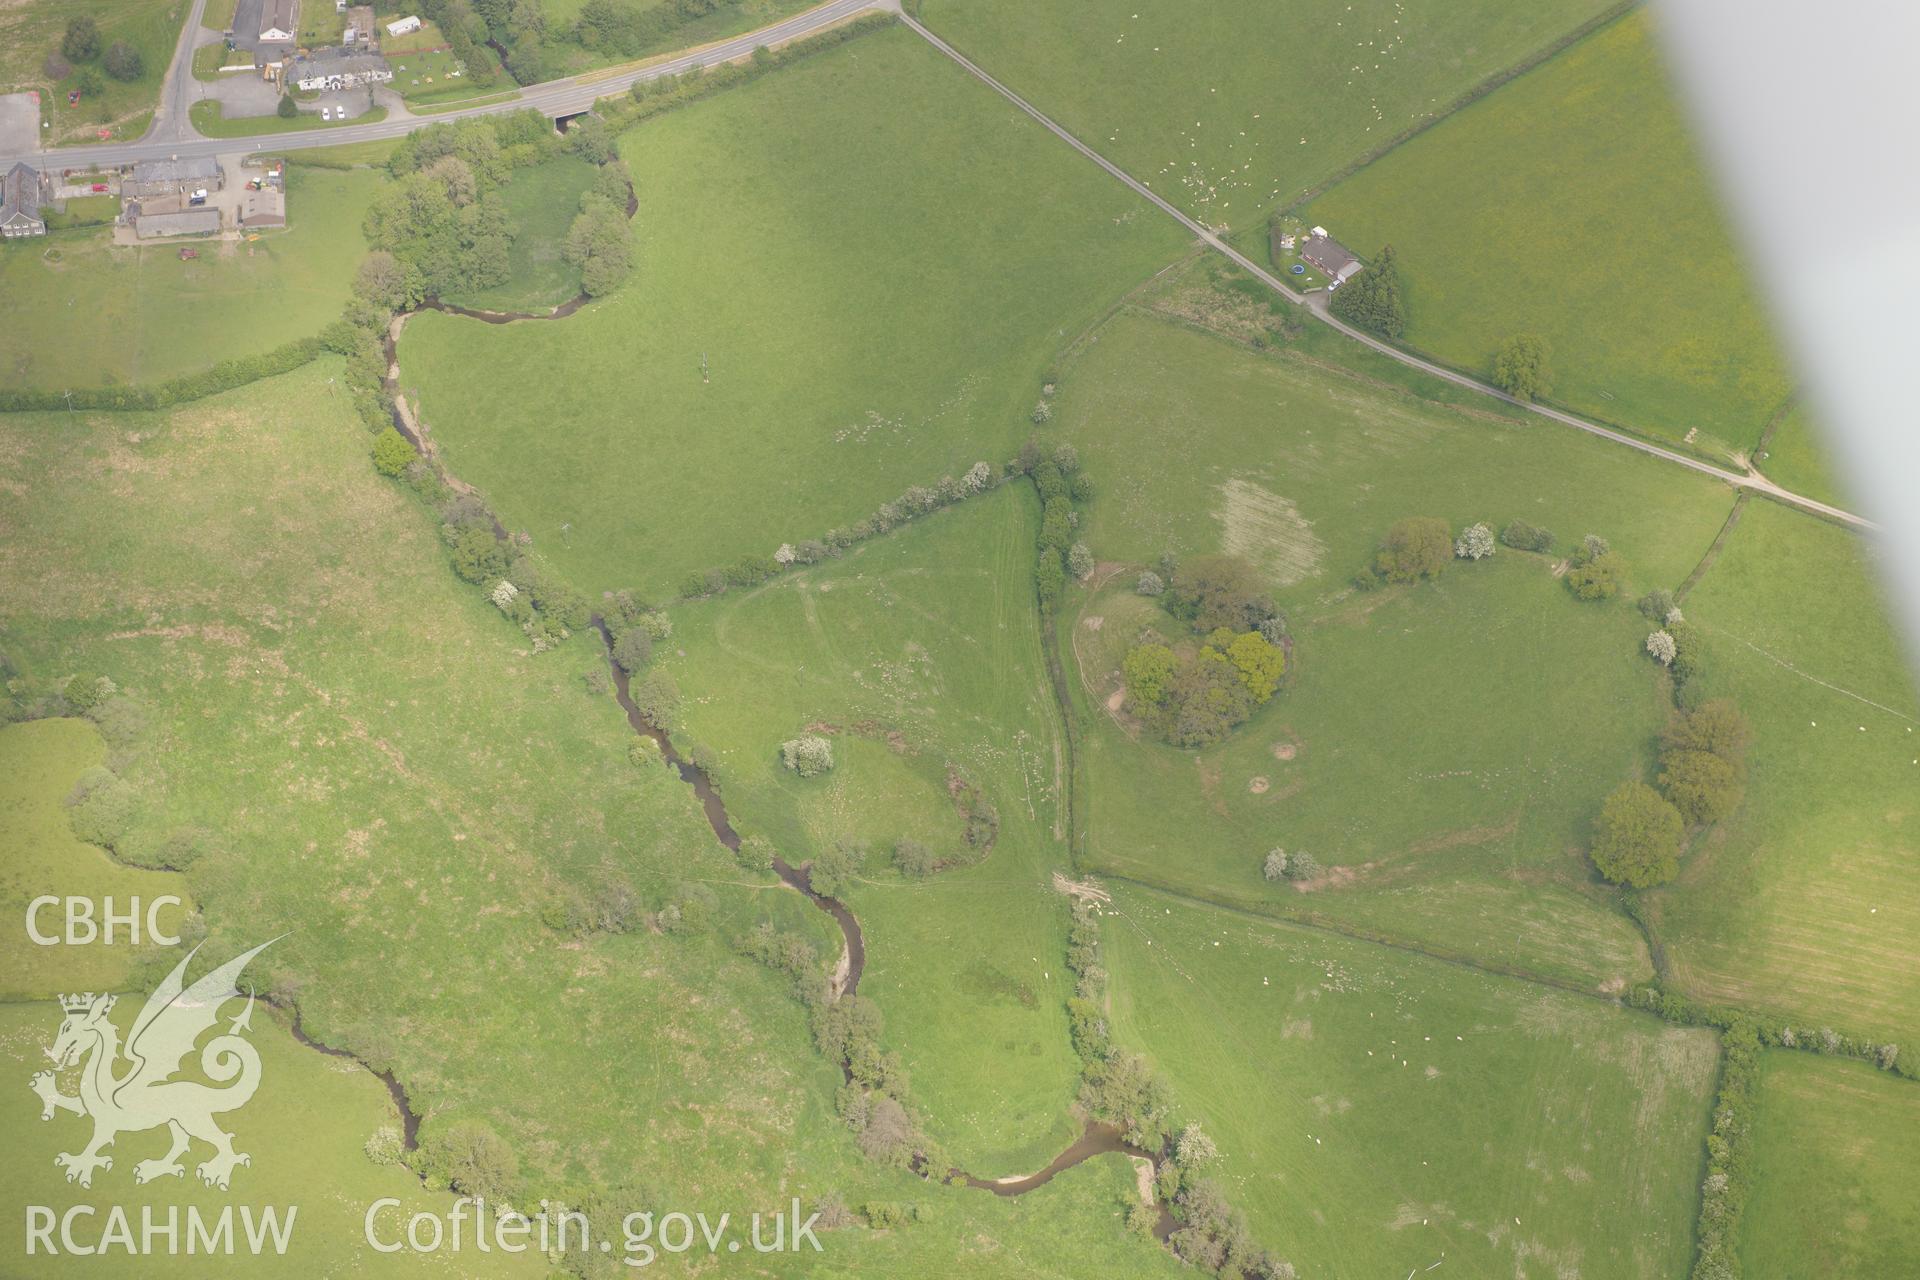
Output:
x=1287 y=749
x=1466 y=836
x=1259 y=784
x=1266 y=530
x=1209 y=775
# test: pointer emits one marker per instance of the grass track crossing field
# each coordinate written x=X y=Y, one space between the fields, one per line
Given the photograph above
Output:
x=1423 y=743
x=928 y=638
x=1234 y=106
x=1375 y=1111
x=103 y=314
x=875 y=255
x=1571 y=204
x=1804 y=902
x=1836 y=1195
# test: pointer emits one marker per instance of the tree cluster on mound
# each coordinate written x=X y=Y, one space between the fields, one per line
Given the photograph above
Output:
x=1640 y=831
x=1595 y=571
x=1193 y=693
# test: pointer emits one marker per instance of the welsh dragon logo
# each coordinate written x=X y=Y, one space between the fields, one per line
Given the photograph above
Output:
x=145 y=1095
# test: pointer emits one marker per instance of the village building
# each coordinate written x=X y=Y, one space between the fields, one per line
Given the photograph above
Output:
x=265 y=207
x=173 y=178
x=403 y=26
x=22 y=192
x=326 y=70
x=267 y=29
x=165 y=220
x=1329 y=257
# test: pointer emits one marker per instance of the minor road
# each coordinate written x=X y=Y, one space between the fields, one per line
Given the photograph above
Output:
x=1316 y=304
x=172 y=134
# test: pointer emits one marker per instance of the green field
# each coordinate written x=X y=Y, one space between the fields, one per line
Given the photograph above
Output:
x=1422 y=745
x=1837 y=1194
x=1800 y=456
x=104 y=314
x=32 y=29
x=923 y=649
x=1377 y=1112
x=1804 y=902
x=416 y=815
x=389 y=769
x=39 y=763
x=1233 y=107
x=763 y=213
x=542 y=202
x=304 y=1129
x=1572 y=204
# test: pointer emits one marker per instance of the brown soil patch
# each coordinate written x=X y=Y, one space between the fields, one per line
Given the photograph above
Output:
x=1093 y=623
x=1258 y=785
x=1285 y=750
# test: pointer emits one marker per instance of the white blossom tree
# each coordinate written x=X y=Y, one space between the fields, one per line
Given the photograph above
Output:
x=504 y=594
x=1474 y=543
x=1661 y=645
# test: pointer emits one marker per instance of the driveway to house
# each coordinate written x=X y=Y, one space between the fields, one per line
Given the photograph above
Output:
x=172 y=134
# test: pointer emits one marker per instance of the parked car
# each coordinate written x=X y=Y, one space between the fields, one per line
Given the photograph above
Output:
x=99 y=186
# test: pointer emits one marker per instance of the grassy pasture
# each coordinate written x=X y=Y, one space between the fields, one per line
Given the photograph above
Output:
x=791 y=231
x=393 y=776
x=1376 y=1112
x=1799 y=457
x=922 y=649
x=1424 y=736
x=305 y=1129
x=1804 y=903
x=542 y=202
x=1837 y=1194
x=103 y=314
x=1571 y=203
x=39 y=763
x=31 y=30
x=1229 y=109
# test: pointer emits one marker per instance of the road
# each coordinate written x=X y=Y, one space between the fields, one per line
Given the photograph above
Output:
x=172 y=133
x=1316 y=305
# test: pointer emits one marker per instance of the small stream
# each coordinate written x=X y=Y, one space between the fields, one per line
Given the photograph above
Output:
x=1097 y=1139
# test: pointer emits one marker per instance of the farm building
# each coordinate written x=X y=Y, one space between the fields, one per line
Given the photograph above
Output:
x=173 y=177
x=332 y=69
x=184 y=222
x=21 y=194
x=1329 y=257
x=266 y=207
x=279 y=19
x=403 y=26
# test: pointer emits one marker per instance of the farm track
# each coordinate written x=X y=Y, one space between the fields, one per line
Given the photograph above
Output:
x=1316 y=305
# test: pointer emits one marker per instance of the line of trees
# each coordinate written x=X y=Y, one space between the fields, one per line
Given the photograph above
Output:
x=1640 y=832
x=1122 y=1089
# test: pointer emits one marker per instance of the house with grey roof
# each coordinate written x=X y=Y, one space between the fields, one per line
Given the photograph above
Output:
x=22 y=192
x=173 y=177
x=1329 y=257
x=185 y=222
x=334 y=69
